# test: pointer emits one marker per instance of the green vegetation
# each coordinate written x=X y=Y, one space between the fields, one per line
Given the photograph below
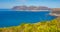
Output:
x=47 y=26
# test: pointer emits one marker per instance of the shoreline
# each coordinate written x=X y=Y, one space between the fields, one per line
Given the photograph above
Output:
x=54 y=14
x=49 y=26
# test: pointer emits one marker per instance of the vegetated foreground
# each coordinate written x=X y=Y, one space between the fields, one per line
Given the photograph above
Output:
x=45 y=26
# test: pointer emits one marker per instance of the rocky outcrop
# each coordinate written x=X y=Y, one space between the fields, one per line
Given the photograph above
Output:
x=55 y=12
x=55 y=9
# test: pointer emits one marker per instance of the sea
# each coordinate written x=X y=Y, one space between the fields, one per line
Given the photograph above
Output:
x=14 y=18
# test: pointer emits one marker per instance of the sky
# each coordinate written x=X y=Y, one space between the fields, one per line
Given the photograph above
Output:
x=8 y=4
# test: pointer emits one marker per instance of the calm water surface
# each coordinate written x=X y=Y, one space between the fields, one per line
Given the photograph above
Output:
x=14 y=18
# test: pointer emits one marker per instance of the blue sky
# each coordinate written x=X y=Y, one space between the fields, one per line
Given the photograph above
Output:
x=7 y=4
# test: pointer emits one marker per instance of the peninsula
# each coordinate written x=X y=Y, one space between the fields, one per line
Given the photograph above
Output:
x=55 y=12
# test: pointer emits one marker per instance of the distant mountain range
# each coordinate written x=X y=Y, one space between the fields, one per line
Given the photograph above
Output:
x=30 y=8
x=35 y=8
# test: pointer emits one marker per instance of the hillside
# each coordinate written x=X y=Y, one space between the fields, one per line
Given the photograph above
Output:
x=47 y=26
x=55 y=12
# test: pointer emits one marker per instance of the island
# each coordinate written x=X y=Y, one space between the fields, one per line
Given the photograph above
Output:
x=53 y=11
x=30 y=8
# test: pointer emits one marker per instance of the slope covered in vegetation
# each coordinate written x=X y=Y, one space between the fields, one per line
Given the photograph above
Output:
x=44 y=26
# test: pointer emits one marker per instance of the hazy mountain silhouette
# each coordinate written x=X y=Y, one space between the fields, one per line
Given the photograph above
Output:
x=30 y=8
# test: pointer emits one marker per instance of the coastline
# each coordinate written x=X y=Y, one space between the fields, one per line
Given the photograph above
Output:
x=49 y=26
x=54 y=14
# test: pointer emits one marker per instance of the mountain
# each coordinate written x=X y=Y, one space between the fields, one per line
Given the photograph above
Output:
x=30 y=8
x=19 y=8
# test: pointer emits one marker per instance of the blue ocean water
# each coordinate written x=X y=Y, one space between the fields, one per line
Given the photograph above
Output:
x=14 y=18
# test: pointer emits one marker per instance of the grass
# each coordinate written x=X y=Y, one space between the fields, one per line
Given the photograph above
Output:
x=47 y=26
